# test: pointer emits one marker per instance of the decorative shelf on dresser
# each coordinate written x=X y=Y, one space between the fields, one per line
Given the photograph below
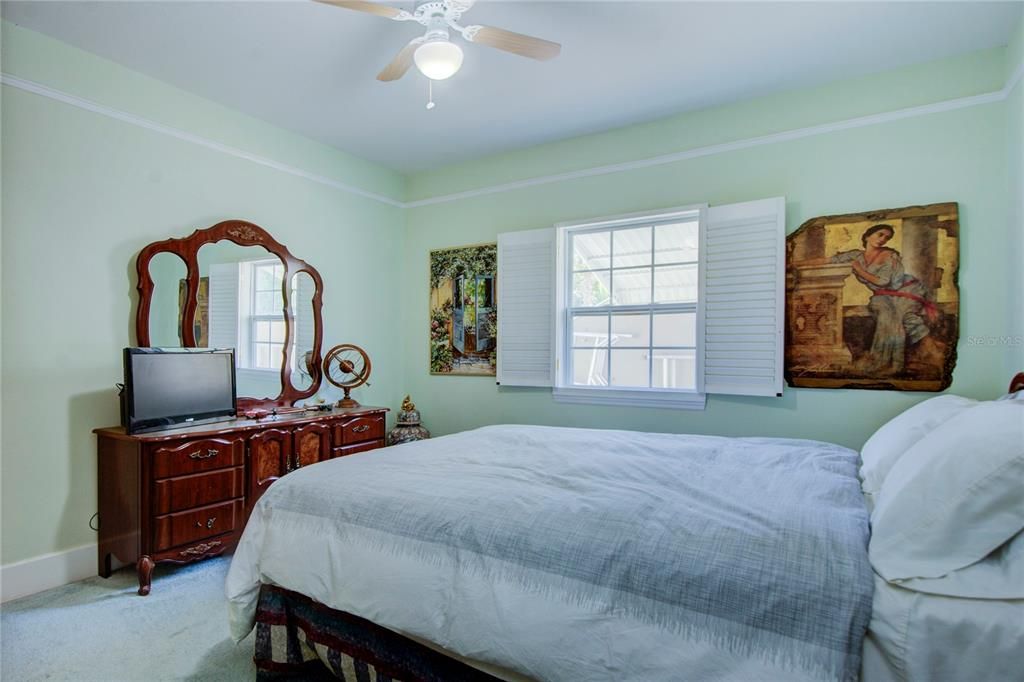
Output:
x=185 y=494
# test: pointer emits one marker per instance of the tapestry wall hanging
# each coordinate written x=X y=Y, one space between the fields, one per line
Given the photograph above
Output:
x=464 y=310
x=872 y=300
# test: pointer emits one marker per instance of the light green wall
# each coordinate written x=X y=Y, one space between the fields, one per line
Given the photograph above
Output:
x=971 y=74
x=1015 y=176
x=958 y=156
x=82 y=194
x=58 y=65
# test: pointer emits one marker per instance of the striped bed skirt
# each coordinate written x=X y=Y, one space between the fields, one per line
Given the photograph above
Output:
x=300 y=639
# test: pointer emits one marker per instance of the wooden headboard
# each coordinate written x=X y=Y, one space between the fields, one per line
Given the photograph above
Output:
x=1017 y=383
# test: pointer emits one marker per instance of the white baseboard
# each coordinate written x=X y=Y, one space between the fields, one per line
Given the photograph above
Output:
x=40 y=573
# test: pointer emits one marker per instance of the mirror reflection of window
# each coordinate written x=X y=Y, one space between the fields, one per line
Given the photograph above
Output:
x=266 y=325
x=246 y=312
x=260 y=321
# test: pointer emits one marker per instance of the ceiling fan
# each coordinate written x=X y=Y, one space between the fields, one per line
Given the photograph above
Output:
x=435 y=55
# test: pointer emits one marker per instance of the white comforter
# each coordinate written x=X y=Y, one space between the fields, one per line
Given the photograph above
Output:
x=572 y=554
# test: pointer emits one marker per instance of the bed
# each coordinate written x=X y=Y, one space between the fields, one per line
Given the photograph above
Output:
x=524 y=552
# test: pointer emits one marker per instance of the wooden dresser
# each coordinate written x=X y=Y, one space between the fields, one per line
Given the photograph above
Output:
x=185 y=494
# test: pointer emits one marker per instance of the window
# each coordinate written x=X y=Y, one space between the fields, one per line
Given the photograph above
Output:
x=266 y=324
x=631 y=313
x=652 y=309
x=628 y=310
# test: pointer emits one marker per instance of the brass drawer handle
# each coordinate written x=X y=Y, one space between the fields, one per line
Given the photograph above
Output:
x=361 y=429
x=198 y=454
x=209 y=522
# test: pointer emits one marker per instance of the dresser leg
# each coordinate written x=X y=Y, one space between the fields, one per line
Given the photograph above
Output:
x=104 y=564
x=145 y=570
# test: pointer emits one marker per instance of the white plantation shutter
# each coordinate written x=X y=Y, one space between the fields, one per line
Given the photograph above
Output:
x=526 y=308
x=743 y=251
x=223 y=312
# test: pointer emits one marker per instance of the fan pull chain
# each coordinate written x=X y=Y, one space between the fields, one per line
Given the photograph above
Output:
x=430 y=94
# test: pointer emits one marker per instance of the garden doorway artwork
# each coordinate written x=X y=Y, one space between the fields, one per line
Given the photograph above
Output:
x=464 y=310
x=872 y=300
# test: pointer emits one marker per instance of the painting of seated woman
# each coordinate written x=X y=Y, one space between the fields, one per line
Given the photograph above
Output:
x=872 y=300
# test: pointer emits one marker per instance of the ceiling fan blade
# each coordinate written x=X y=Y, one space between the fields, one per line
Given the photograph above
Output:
x=401 y=63
x=516 y=43
x=369 y=7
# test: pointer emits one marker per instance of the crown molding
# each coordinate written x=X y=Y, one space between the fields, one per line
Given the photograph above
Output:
x=674 y=157
x=715 y=149
x=1012 y=82
x=170 y=131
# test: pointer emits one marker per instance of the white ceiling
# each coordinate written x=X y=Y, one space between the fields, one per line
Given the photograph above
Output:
x=311 y=68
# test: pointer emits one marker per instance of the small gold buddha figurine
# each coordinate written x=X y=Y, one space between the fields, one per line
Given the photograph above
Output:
x=408 y=405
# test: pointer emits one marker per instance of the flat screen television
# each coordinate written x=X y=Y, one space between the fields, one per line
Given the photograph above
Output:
x=169 y=387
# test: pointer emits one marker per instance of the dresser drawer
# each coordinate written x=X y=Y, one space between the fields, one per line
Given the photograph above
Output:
x=196 y=490
x=357 y=447
x=183 y=527
x=196 y=455
x=359 y=430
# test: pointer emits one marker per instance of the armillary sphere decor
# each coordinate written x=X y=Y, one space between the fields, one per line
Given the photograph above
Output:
x=347 y=366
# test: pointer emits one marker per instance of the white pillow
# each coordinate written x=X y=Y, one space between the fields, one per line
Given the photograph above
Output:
x=953 y=497
x=896 y=436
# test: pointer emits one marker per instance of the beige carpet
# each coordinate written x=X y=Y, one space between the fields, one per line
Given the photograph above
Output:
x=101 y=630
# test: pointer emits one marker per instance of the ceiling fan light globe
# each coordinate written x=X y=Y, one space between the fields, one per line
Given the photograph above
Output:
x=438 y=59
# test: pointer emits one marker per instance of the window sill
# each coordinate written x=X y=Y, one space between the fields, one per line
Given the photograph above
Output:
x=624 y=397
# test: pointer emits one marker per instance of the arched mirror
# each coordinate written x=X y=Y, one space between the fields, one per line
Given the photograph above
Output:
x=170 y=289
x=306 y=365
x=233 y=286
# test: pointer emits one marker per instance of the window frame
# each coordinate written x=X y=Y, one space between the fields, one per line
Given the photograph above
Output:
x=564 y=390
x=252 y=319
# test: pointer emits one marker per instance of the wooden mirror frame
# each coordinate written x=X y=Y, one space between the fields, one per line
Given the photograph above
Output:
x=244 y=234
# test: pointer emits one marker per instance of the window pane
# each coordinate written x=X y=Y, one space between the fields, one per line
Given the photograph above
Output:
x=590 y=330
x=675 y=369
x=262 y=355
x=631 y=287
x=277 y=331
x=675 y=243
x=589 y=367
x=262 y=331
x=265 y=280
x=675 y=284
x=629 y=367
x=675 y=329
x=591 y=251
x=590 y=289
x=632 y=247
x=267 y=302
x=631 y=330
x=275 y=354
